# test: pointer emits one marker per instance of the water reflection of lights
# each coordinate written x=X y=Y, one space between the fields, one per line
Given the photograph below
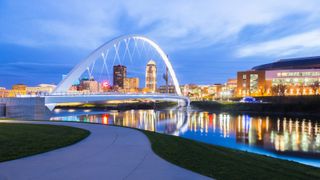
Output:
x=105 y=118
x=57 y=110
x=260 y=129
x=267 y=123
x=287 y=135
x=71 y=110
x=281 y=134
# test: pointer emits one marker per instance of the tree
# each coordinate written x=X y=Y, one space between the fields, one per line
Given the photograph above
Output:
x=279 y=89
x=315 y=87
x=262 y=91
x=301 y=87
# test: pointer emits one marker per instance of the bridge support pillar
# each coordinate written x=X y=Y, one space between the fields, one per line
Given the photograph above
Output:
x=188 y=102
x=51 y=106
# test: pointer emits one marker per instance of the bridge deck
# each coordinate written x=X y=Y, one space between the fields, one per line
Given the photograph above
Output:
x=52 y=100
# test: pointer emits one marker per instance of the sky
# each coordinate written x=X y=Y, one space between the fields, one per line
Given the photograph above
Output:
x=207 y=41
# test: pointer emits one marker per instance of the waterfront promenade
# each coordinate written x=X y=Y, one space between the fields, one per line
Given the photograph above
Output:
x=108 y=153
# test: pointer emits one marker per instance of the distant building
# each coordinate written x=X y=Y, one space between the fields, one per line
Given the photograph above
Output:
x=41 y=89
x=231 y=84
x=119 y=74
x=251 y=83
x=229 y=89
x=214 y=90
x=89 y=85
x=202 y=92
x=3 y=92
x=131 y=84
x=18 y=90
x=74 y=88
x=19 y=87
x=171 y=89
x=297 y=76
x=151 y=76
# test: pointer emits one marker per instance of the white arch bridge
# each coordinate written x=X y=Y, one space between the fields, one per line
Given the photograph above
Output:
x=60 y=95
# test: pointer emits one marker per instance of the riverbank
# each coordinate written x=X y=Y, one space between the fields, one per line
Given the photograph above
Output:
x=291 y=109
x=21 y=140
x=224 y=163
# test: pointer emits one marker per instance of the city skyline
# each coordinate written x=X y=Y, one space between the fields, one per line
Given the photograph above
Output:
x=41 y=41
x=149 y=89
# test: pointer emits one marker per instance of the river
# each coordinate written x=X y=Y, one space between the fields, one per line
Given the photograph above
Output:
x=295 y=139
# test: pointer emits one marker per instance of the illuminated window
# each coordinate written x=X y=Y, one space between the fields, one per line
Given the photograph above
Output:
x=253 y=83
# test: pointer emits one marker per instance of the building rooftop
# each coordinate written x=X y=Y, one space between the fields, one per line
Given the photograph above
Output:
x=292 y=63
x=151 y=62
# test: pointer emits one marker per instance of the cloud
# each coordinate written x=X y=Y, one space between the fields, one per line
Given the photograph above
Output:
x=193 y=24
x=80 y=25
x=286 y=46
x=175 y=25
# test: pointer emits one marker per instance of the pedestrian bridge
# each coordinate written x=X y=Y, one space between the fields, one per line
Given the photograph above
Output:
x=61 y=93
x=51 y=101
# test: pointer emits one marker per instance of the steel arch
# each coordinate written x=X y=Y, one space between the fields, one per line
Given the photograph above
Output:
x=78 y=70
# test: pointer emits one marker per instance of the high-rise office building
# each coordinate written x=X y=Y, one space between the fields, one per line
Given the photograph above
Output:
x=131 y=84
x=151 y=76
x=119 y=74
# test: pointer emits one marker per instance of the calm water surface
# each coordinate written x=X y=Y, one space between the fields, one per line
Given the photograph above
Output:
x=287 y=138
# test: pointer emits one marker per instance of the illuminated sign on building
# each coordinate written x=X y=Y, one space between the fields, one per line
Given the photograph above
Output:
x=297 y=74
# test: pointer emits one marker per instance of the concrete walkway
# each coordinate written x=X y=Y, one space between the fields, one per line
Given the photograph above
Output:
x=108 y=153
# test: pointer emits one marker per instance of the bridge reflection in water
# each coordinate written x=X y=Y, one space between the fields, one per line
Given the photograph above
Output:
x=278 y=137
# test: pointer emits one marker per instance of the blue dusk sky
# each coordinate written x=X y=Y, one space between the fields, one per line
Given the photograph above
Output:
x=208 y=41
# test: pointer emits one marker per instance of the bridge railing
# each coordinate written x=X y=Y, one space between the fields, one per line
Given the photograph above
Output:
x=103 y=93
x=77 y=94
x=51 y=99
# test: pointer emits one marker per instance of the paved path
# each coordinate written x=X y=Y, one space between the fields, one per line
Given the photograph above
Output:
x=108 y=153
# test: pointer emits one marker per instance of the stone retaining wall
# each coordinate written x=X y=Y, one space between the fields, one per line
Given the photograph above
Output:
x=32 y=108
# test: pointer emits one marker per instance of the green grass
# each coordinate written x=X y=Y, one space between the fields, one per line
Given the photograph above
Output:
x=21 y=140
x=224 y=163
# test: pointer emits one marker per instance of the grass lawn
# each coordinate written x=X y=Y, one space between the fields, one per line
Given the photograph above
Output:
x=223 y=163
x=20 y=140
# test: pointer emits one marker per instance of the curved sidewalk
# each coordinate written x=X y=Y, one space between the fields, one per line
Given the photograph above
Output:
x=108 y=153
